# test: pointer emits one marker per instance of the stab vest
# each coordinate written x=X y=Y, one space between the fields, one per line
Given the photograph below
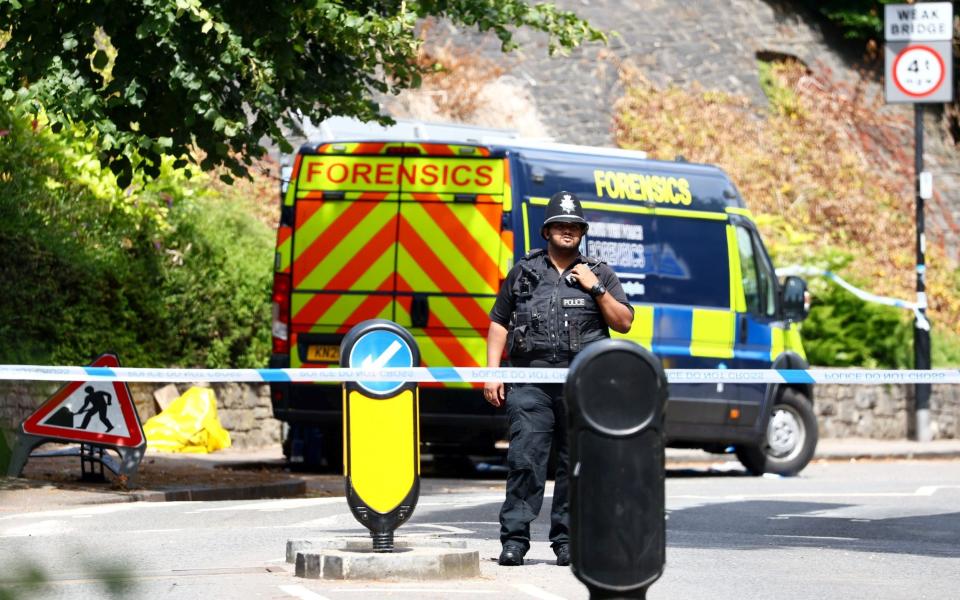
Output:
x=551 y=320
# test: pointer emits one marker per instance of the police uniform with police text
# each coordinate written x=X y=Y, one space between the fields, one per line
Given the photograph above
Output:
x=549 y=318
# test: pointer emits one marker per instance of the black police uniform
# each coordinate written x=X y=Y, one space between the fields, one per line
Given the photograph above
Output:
x=548 y=320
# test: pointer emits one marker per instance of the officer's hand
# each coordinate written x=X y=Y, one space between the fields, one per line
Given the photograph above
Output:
x=493 y=393
x=584 y=276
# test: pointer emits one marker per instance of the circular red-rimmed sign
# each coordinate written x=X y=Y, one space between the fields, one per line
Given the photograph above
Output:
x=926 y=76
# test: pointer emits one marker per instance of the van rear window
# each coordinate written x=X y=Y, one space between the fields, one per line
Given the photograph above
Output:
x=691 y=264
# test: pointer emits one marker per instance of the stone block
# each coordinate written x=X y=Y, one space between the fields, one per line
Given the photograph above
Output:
x=364 y=543
x=847 y=412
x=165 y=395
x=826 y=408
x=865 y=398
x=237 y=420
x=402 y=563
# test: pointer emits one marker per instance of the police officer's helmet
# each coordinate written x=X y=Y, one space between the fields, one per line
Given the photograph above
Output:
x=564 y=207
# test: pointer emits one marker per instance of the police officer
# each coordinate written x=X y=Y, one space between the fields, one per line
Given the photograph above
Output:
x=551 y=305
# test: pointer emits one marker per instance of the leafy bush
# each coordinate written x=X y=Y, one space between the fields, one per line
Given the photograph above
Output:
x=944 y=348
x=844 y=331
x=169 y=273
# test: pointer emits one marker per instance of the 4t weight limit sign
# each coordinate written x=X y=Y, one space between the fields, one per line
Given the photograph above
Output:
x=918 y=72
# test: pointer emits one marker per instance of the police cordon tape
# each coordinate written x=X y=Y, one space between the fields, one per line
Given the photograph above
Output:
x=915 y=307
x=463 y=375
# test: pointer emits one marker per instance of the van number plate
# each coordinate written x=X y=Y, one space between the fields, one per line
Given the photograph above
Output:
x=323 y=353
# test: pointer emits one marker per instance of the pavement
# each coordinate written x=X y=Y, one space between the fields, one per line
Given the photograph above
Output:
x=246 y=474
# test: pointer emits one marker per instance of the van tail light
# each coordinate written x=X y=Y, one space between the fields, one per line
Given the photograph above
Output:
x=281 y=313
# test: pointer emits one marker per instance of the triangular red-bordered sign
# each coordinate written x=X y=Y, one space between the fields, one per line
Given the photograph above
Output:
x=47 y=422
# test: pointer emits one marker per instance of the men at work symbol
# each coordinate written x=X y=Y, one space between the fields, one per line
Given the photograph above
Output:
x=98 y=401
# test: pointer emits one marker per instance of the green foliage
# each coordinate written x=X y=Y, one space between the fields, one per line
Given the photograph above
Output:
x=164 y=77
x=944 y=348
x=782 y=97
x=859 y=19
x=164 y=273
x=844 y=331
x=24 y=577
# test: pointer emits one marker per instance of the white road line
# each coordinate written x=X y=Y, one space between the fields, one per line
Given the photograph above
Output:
x=49 y=527
x=812 y=537
x=929 y=490
x=532 y=590
x=321 y=522
x=922 y=491
x=99 y=509
x=275 y=505
x=421 y=590
x=298 y=591
x=444 y=528
x=138 y=531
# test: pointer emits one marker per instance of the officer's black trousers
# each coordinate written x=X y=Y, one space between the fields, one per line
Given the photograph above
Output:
x=537 y=421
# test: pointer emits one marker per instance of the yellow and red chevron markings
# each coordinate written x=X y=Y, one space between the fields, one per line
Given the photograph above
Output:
x=358 y=256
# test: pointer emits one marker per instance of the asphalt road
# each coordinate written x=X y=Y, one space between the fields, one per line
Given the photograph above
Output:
x=875 y=530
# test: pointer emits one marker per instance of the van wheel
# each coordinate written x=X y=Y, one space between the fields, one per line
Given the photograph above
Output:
x=791 y=438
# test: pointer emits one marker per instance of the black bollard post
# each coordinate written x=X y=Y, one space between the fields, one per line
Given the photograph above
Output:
x=616 y=392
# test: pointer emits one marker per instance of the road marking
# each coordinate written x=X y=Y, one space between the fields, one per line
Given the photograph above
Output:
x=928 y=490
x=298 y=591
x=444 y=528
x=370 y=363
x=422 y=590
x=139 y=531
x=49 y=527
x=321 y=522
x=532 y=590
x=275 y=505
x=99 y=509
x=813 y=537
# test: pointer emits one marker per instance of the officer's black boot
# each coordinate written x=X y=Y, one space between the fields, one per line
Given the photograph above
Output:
x=512 y=555
x=563 y=555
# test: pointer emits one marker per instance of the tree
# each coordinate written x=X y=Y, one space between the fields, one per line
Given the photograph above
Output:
x=155 y=77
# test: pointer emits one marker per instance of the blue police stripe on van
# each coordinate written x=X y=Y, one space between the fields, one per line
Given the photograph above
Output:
x=673 y=335
x=758 y=342
x=672 y=330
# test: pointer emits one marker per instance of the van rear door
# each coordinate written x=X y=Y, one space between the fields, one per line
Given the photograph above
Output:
x=346 y=208
x=452 y=250
x=404 y=231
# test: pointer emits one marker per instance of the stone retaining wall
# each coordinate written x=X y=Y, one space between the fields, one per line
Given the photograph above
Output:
x=244 y=410
x=884 y=411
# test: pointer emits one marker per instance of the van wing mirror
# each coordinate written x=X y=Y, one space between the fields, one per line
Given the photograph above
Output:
x=794 y=298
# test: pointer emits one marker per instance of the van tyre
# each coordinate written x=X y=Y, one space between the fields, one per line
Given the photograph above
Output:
x=791 y=438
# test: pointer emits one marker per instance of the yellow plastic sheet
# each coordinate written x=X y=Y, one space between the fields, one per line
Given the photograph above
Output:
x=189 y=424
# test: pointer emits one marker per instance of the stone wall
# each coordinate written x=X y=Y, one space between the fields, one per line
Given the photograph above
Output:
x=244 y=410
x=884 y=411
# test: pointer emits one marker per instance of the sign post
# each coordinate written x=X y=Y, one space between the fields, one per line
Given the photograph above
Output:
x=381 y=430
x=918 y=69
x=96 y=415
